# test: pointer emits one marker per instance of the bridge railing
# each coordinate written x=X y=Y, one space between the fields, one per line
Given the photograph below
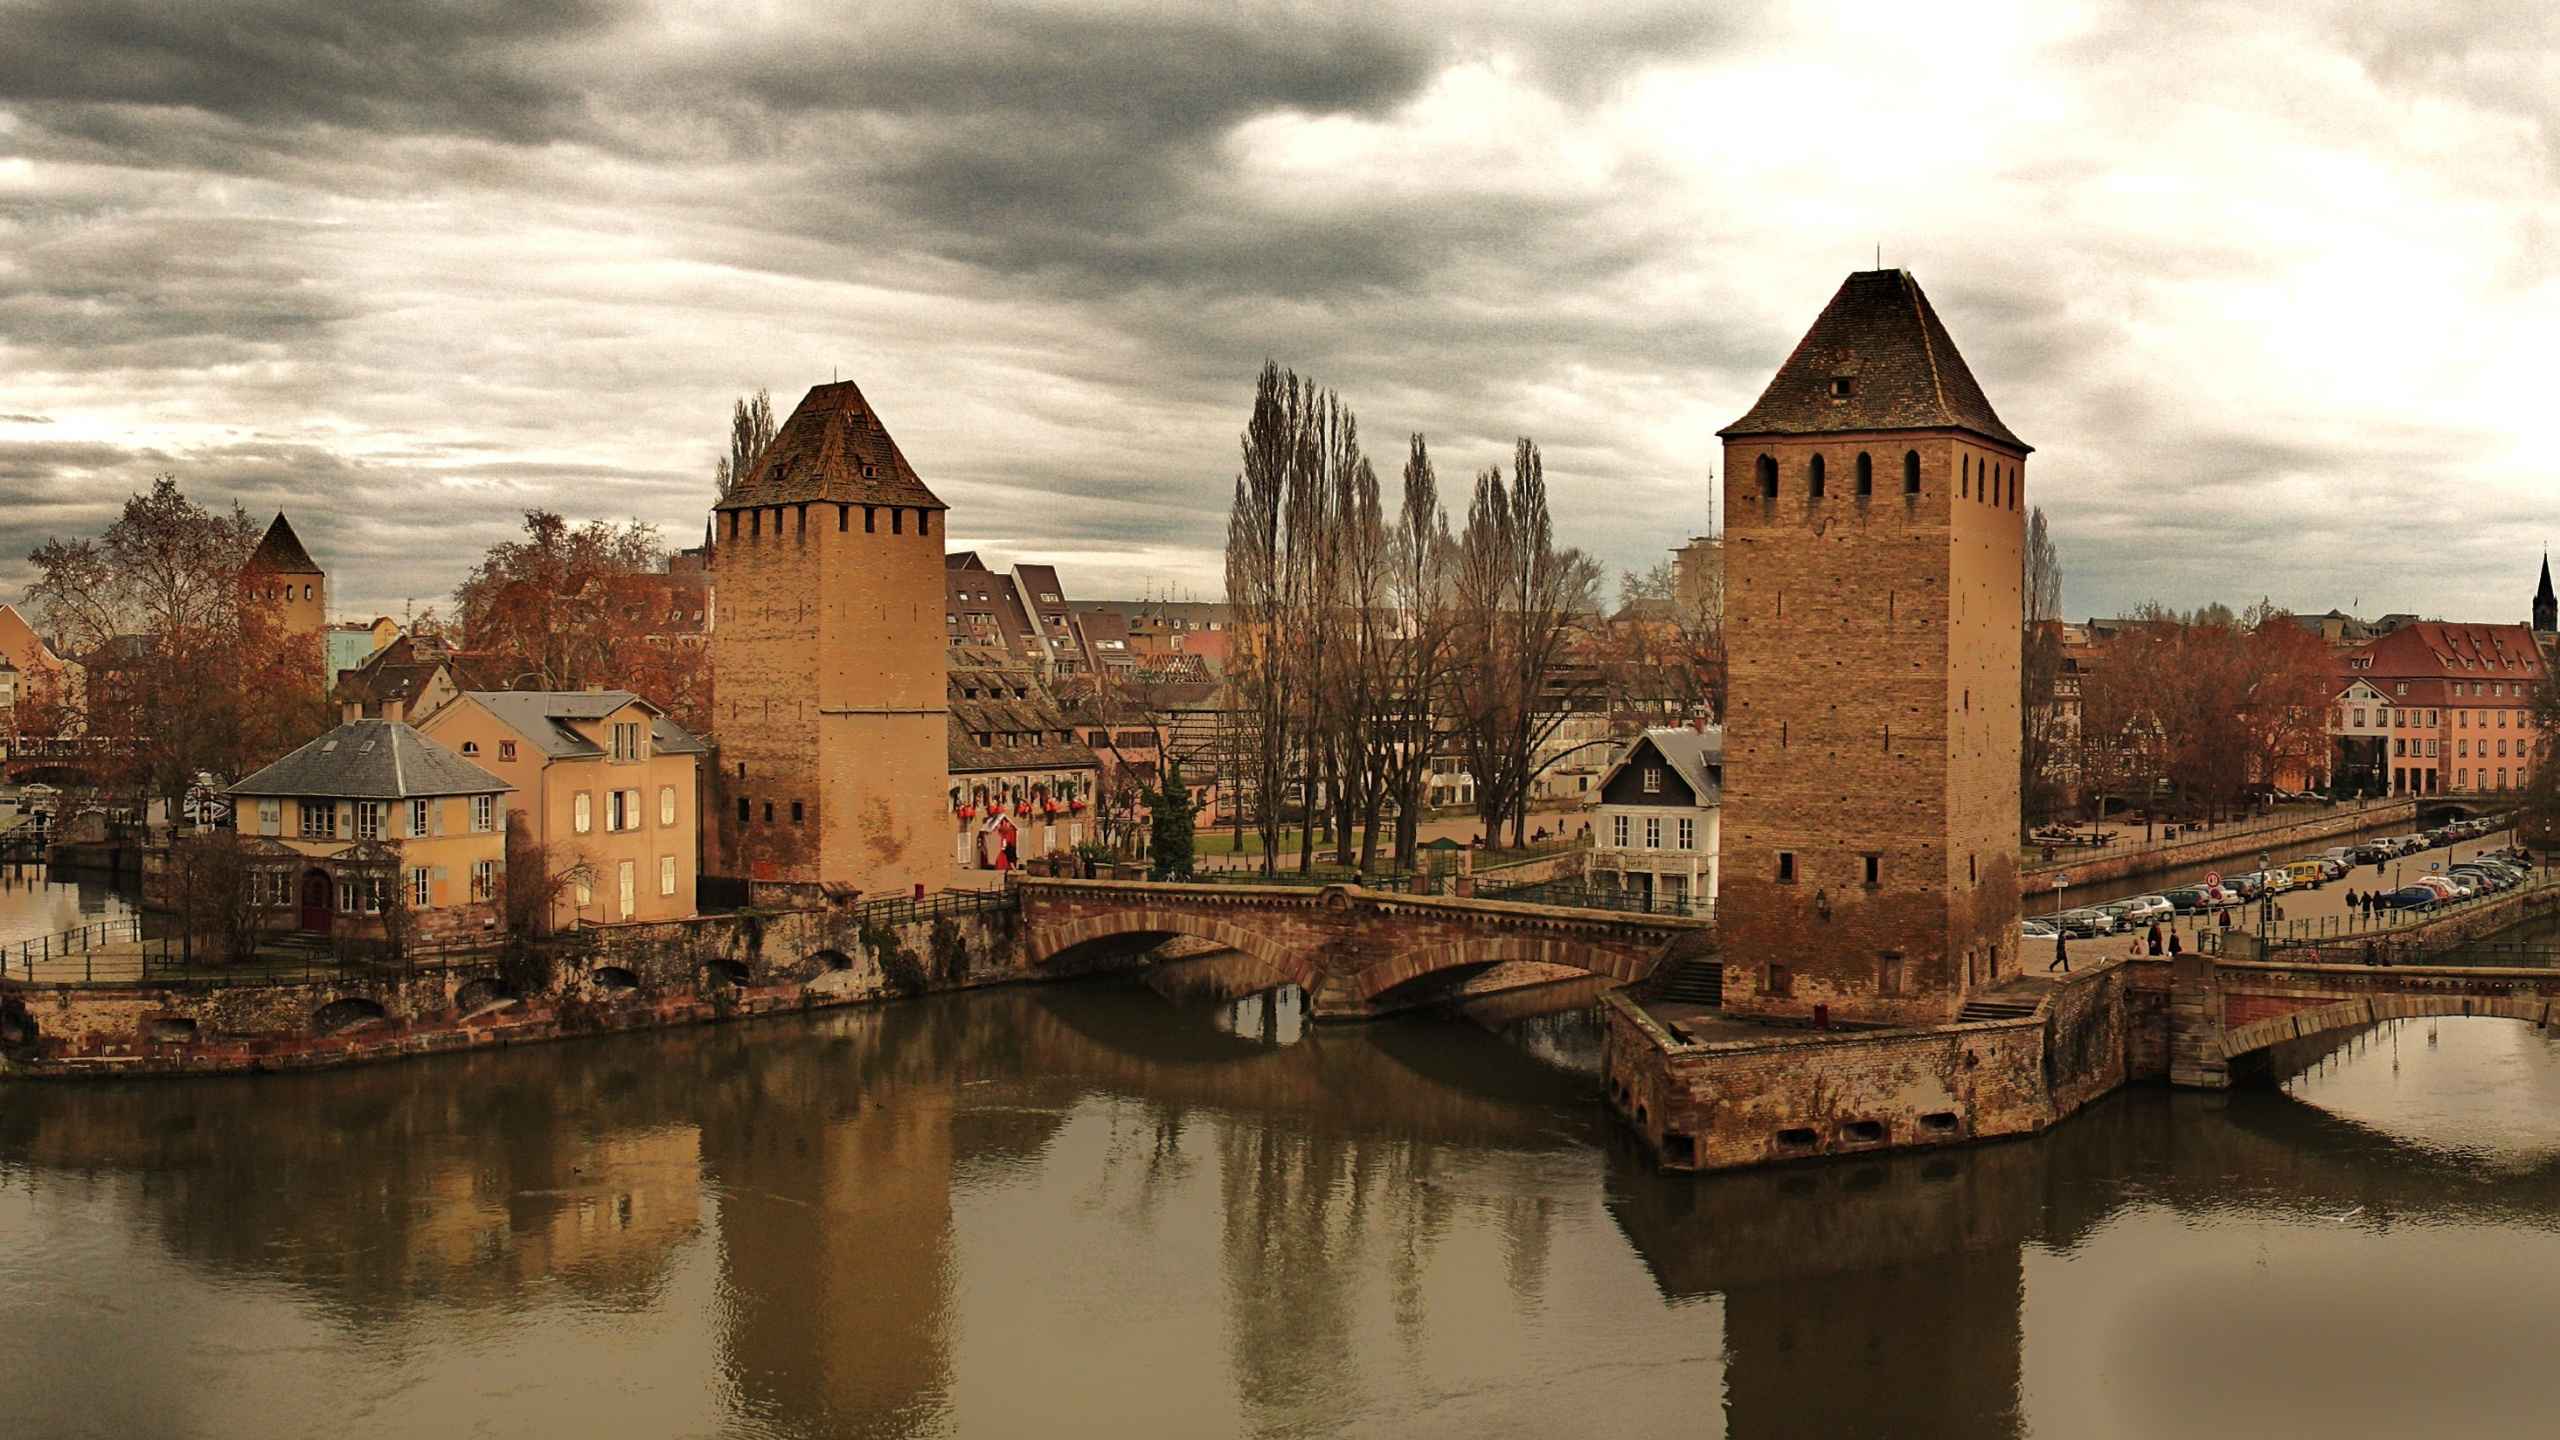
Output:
x=1581 y=894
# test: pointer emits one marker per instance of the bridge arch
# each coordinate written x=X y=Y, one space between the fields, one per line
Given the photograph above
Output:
x=1048 y=942
x=2346 y=1014
x=1622 y=964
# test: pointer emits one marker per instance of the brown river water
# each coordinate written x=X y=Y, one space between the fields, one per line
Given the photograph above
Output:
x=1091 y=1210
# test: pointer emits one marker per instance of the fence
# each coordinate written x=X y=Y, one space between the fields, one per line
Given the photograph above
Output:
x=1583 y=895
x=119 y=952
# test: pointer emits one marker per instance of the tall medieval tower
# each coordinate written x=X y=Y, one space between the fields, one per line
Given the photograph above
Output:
x=282 y=579
x=1874 y=523
x=828 y=666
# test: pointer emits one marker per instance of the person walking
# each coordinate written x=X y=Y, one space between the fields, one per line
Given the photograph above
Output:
x=2061 y=953
x=2175 y=949
x=2155 y=937
x=2351 y=897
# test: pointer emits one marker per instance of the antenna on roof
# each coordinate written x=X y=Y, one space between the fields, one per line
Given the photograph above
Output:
x=1879 y=255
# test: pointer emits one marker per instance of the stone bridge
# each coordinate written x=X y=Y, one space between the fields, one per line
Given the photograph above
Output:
x=2223 y=1013
x=1356 y=952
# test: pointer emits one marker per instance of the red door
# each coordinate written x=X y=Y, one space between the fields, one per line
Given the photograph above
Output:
x=315 y=902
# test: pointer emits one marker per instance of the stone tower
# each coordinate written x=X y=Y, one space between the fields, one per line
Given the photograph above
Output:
x=1874 y=522
x=283 y=579
x=828 y=665
x=2546 y=606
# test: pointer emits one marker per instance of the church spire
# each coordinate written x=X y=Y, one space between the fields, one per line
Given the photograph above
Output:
x=2546 y=606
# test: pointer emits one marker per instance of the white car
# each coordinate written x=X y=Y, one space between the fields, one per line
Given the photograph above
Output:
x=2147 y=908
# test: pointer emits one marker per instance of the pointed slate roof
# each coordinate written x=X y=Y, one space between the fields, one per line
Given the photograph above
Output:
x=541 y=717
x=372 y=760
x=832 y=448
x=1879 y=334
x=2543 y=596
x=281 y=553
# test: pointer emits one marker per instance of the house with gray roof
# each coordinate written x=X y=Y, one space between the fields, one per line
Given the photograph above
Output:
x=1655 y=831
x=373 y=831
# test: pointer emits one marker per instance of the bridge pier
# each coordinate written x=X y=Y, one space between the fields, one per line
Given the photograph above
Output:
x=2196 y=1060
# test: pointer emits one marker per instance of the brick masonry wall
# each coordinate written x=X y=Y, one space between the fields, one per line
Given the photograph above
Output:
x=829 y=677
x=1721 y=1105
x=1874 y=711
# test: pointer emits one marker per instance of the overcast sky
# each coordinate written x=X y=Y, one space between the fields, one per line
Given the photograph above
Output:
x=2270 y=286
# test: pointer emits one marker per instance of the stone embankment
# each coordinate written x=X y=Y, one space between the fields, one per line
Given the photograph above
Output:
x=615 y=977
x=2285 y=842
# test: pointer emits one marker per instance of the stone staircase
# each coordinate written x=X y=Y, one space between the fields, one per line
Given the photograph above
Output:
x=1696 y=982
x=2015 y=1000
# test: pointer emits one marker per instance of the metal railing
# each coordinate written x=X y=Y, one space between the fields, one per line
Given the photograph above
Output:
x=1583 y=895
x=902 y=910
x=20 y=960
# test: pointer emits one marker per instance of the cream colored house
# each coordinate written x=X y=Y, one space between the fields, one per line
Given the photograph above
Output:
x=604 y=780
x=374 y=817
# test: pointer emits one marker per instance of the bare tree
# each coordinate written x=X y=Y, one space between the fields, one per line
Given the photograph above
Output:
x=216 y=891
x=751 y=430
x=1520 y=605
x=1416 y=656
x=2046 y=719
x=536 y=878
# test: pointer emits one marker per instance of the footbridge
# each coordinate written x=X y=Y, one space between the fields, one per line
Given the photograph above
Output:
x=2226 y=1013
x=1356 y=952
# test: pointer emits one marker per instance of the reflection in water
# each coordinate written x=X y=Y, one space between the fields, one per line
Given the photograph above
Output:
x=1099 y=1209
x=34 y=902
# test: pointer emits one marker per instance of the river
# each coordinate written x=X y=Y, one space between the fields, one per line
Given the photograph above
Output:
x=1089 y=1209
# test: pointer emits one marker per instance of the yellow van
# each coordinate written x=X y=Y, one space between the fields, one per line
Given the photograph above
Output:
x=2308 y=873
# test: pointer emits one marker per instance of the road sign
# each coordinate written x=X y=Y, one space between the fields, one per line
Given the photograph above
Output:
x=2213 y=878
x=2061 y=879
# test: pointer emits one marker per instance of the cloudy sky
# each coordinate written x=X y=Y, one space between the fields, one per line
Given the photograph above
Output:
x=2270 y=286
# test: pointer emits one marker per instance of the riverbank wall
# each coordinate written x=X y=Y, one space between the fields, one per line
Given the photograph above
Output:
x=1703 y=1103
x=614 y=977
x=2096 y=867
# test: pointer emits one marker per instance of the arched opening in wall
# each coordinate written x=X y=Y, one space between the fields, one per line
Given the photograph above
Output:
x=17 y=1027
x=834 y=959
x=1767 y=469
x=1813 y=476
x=1866 y=475
x=346 y=1014
x=170 y=1029
x=727 y=971
x=483 y=994
x=613 y=979
x=1910 y=472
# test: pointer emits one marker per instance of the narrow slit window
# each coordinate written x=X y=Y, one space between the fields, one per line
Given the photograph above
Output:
x=1910 y=472
x=1866 y=475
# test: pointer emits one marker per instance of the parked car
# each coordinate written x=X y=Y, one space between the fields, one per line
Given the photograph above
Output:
x=2309 y=874
x=2036 y=930
x=2275 y=881
x=2088 y=922
x=2411 y=897
x=2144 y=909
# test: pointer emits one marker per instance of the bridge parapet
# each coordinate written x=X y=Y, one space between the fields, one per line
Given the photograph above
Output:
x=1357 y=952
x=2221 y=1011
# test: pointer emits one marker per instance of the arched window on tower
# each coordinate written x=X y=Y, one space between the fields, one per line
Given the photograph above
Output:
x=1964 y=478
x=1866 y=475
x=1910 y=472
x=1814 y=472
x=1768 y=468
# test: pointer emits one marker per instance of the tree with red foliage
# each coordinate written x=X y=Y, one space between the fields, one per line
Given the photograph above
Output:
x=567 y=607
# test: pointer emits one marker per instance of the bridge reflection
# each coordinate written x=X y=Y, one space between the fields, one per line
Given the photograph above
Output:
x=858 y=1177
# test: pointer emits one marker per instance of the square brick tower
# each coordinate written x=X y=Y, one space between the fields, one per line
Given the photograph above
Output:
x=282 y=578
x=1874 y=515
x=827 y=661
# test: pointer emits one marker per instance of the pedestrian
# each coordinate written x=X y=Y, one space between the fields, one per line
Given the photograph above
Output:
x=2155 y=937
x=2225 y=921
x=2175 y=948
x=2061 y=953
x=2351 y=897
x=2135 y=949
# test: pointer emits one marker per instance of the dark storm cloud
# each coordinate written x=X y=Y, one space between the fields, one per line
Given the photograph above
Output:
x=103 y=290
x=447 y=66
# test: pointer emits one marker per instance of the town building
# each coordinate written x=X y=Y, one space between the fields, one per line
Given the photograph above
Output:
x=2432 y=708
x=603 y=781
x=1874 y=523
x=373 y=828
x=347 y=646
x=1022 y=781
x=830 y=673
x=1655 y=836
x=412 y=676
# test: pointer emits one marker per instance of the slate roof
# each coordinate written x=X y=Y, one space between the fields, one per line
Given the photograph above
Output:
x=832 y=448
x=1904 y=373
x=281 y=553
x=372 y=760
x=542 y=716
x=1033 y=720
x=1689 y=752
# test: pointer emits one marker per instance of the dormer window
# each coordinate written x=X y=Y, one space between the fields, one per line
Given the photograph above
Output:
x=470 y=748
x=1842 y=387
